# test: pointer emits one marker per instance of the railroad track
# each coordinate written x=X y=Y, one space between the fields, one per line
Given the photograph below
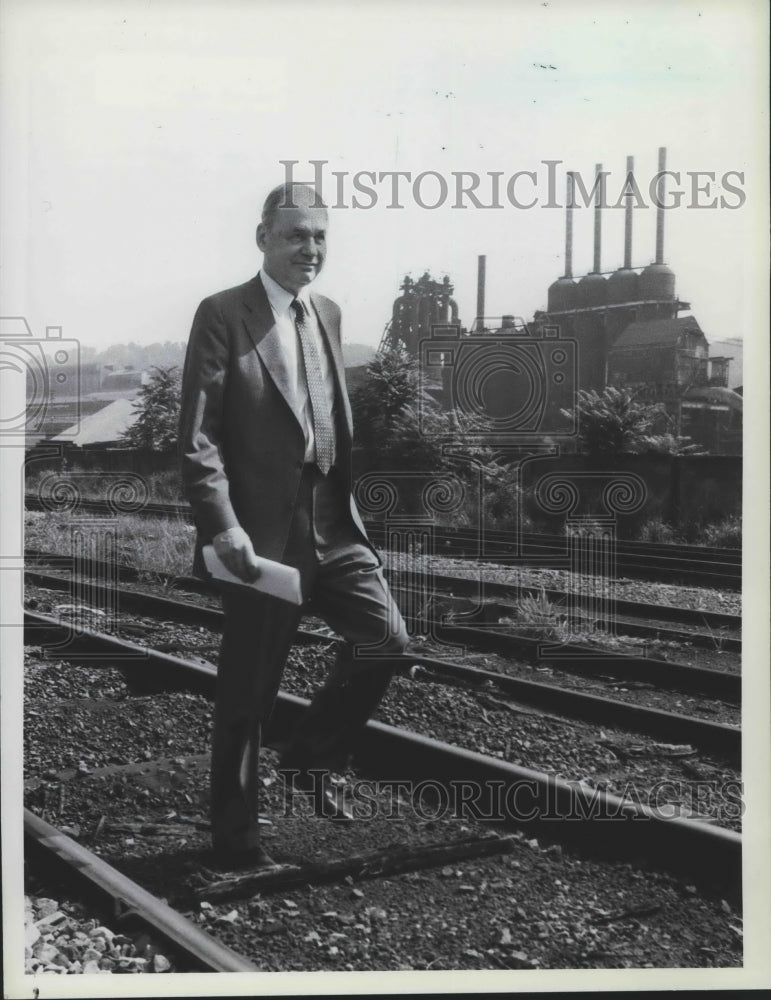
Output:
x=695 y=565
x=52 y=851
x=577 y=814
x=501 y=599
x=720 y=624
x=485 y=613
x=672 y=726
x=588 y=822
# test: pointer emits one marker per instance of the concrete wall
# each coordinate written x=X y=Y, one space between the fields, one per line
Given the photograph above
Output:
x=681 y=490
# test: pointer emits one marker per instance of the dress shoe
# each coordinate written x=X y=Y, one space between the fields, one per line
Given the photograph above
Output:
x=246 y=857
x=328 y=799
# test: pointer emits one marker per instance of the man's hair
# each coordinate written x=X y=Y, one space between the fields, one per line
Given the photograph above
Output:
x=289 y=195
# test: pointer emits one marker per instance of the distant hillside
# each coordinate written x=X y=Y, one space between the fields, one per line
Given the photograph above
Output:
x=137 y=356
x=358 y=354
x=170 y=353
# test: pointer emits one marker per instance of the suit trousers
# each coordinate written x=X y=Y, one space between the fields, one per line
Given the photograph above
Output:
x=342 y=578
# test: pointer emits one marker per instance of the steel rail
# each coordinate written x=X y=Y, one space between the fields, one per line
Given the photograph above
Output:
x=645 y=562
x=671 y=726
x=78 y=864
x=625 y=545
x=465 y=586
x=580 y=659
x=571 y=657
x=575 y=812
x=460 y=585
x=486 y=613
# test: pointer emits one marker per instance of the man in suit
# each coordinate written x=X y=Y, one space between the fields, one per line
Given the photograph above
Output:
x=265 y=448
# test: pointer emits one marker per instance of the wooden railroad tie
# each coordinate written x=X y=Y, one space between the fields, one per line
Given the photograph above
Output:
x=372 y=864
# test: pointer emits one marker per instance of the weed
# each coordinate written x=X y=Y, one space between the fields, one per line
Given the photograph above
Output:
x=540 y=618
x=656 y=530
x=155 y=545
x=724 y=534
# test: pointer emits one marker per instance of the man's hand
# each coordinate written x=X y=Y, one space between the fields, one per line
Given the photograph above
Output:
x=234 y=547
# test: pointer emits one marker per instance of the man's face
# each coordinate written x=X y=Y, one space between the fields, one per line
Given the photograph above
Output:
x=294 y=246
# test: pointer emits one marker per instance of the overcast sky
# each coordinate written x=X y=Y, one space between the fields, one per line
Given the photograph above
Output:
x=141 y=138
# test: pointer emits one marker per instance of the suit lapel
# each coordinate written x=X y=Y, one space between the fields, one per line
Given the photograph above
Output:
x=261 y=325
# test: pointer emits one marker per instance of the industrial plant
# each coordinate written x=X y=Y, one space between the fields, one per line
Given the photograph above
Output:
x=626 y=326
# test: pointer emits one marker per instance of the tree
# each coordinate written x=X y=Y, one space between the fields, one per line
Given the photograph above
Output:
x=401 y=426
x=157 y=406
x=393 y=382
x=668 y=444
x=613 y=422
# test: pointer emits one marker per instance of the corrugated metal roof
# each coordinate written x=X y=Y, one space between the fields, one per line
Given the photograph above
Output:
x=657 y=331
x=102 y=427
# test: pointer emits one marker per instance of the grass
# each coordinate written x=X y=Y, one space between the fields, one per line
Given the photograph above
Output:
x=724 y=534
x=155 y=545
x=165 y=487
x=540 y=618
x=656 y=530
x=159 y=547
x=162 y=487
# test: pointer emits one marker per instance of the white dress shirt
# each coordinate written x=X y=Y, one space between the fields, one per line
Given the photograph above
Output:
x=280 y=302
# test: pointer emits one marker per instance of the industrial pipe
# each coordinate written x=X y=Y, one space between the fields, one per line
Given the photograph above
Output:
x=628 y=208
x=660 y=206
x=598 y=199
x=481 y=272
x=569 y=206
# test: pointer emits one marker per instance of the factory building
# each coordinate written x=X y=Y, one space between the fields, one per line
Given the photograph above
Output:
x=630 y=333
x=628 y=329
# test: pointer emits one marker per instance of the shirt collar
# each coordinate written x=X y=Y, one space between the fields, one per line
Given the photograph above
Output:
x=280 y=299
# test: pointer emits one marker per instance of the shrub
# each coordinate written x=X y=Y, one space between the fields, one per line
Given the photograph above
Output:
x=656 y=530
x=540 y=618
x=613 y=422
x=724 y=534
x=157 y=407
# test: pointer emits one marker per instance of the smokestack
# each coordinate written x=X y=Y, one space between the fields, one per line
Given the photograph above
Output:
x=598 y=199
x=481 y=269
x=628 y=216
x=659 y=208
x=569 y=204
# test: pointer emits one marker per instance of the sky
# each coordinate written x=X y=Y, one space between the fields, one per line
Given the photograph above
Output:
x=141 y=137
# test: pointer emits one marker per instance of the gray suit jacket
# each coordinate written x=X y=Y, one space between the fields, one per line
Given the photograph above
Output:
x=241 y=443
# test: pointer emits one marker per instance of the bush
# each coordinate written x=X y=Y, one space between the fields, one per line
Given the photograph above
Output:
x=656 y=530
x=157 y=407
x=613 y=422
x=539 y=618
x=724 y=534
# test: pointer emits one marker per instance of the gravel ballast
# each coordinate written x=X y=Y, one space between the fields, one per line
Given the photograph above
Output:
x=130 y=781
x=141 y=802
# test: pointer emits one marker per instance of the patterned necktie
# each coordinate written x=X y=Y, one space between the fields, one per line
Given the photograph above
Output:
x=323 y=430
